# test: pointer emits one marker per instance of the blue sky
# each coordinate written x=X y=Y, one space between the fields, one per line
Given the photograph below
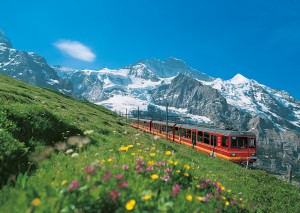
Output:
x=259 y=39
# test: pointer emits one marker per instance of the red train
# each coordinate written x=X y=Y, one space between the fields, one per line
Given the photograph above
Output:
x=235 y=146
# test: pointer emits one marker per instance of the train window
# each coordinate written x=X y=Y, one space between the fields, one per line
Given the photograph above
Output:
x=252 y=143
x=188 y=133
x=206 y=137
x=213 y=140
x=224 y=141
x=200 y=136
x=183 y=133
x=157 y=127
x=239 y=142
x=163 y=128
x=176 y=131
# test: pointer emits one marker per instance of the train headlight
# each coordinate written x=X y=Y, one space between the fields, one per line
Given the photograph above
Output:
x=233 y=154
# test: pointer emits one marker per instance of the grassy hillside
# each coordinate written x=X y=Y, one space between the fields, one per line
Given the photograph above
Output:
x=112 y=167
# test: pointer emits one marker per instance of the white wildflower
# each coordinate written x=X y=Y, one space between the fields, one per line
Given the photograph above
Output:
x=69 y=151
x=75 y=155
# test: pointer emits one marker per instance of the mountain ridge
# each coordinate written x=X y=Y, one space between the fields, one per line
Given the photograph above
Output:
x=239 y=102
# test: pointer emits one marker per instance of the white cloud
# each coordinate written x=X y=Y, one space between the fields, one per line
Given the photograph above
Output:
x=76 y=50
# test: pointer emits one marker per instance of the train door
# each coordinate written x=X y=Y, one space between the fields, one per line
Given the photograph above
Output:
x=213 y=143
x=194 y=137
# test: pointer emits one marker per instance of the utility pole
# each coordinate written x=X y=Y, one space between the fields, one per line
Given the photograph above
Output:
x=167 y=119
x=138 y=116
x=126 y=116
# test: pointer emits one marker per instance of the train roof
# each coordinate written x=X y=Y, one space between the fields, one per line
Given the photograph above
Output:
x=205 y=129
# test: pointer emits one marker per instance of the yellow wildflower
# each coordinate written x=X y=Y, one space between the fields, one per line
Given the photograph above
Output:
x=186 y=174
x=64 y=182
x=176 y=163
x=178 y=171
x=241 y=199
x=152 y=148
x=151 y=162
x=138 y=144
x=123 y=148
x=133 y=154
x=189 y=197
x=198 y=186
x=223 y=198
x=130 y=146
x=146 y=197
x=170 y=162
x=243 y=205
x=103 y=161
x=199 y=198
x=186 y=166
x=223 y=188
x=130 y=205
x=229 y=191
x=109 y=160
x=152 y=154
x=226 y=203
x=154 y=176
x=36 y=201
x=139 y=150
x=168 y=152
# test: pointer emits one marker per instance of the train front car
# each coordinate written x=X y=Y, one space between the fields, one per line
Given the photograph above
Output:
x=242 y=147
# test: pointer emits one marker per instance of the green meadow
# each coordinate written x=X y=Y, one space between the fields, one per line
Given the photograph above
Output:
x=58 y=154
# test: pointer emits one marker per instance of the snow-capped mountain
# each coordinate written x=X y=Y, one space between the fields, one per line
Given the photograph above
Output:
x=258 y=99
x=238 y=102
x=29 y=67
x=241 y=103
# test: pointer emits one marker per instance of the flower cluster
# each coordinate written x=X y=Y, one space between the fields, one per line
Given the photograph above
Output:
x=112 y=182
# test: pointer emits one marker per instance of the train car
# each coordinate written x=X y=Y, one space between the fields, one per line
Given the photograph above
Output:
x=235 y=146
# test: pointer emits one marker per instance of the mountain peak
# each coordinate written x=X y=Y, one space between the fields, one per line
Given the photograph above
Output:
x=4 y=41
x=239 y=79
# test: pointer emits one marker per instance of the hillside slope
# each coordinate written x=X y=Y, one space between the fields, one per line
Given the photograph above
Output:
x=33 y=117
x=240 y=103
x=115 y=168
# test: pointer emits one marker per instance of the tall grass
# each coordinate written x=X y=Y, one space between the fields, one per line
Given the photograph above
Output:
x=115 y=168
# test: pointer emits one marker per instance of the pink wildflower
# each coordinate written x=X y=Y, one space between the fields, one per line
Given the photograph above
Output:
x=90 y=170
x=139 y=169
x=123 y=184
x=233 y=202
x=175 y=190
x=166 y=178
x=106 y=176
x=149 y=168
x=203 y=186
x=73 y=185
x=140 y=161
x=209 y=195
x=160 y=163
x=118 y=176
x=204 y=199
x=168 y=170
x=125 y=167
x=219 y=189
x=114 y=194
x=207 y=181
